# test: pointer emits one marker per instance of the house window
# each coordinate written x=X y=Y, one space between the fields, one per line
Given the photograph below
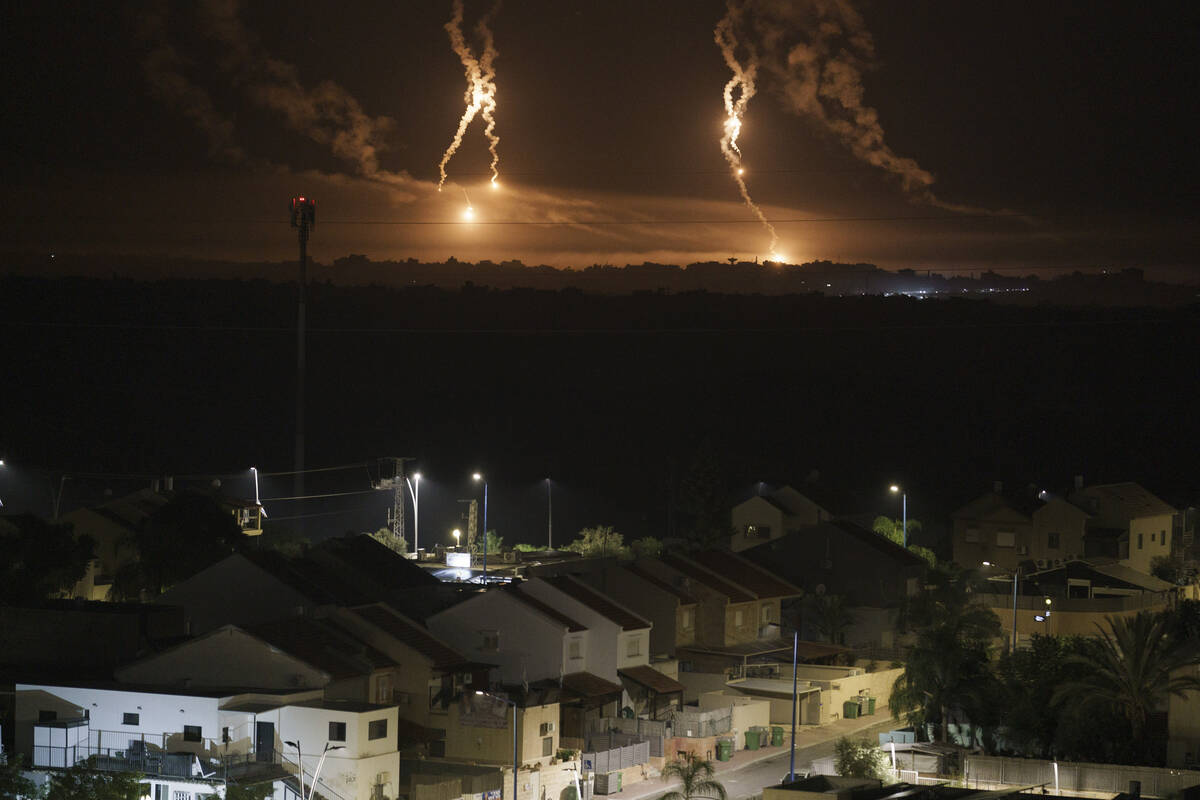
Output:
x=633 y=646
x=1152 y=537
x=490 y=641
x=383 y=688
x=47 y=716
x=191 y=733
x=160 y=791
x=1052 y=540
x=337 y=731
x=545 y=729
x=972 y=535
x=738 y=618
x=377 y=729
x=225 y=735
x=548 y=746
x=766 y=614
x=1005 y=539
x=573 y=649
x=181 y=794
x=130 y=719
x=1139 y=541
x=687 y=618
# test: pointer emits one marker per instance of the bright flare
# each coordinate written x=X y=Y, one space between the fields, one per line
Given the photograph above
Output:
x=741 y=85
x=480 y=96
x=469 y=214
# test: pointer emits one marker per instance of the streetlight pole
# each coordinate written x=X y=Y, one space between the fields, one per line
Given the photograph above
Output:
x=312 y=789
x=903 y=511
x=549 y=515
x=1016 y=580
x=415 y=492
x=479 y=477
x=512 y=703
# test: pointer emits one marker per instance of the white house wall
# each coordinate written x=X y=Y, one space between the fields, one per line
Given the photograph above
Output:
x=603 y=633
x=531 y=644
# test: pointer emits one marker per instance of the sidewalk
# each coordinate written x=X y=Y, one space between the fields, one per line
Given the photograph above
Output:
x=806 y=736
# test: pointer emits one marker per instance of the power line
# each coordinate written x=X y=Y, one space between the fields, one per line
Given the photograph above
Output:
x=316 y=496
x=314 y=469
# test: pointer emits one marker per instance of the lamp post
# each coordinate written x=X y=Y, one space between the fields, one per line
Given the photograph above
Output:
x=312 y=789
x=903 y=510
x=456 y=533
x=414 y=489
x=479 y=477
x=512 y=703
x=1016 y=578
x=549 y=514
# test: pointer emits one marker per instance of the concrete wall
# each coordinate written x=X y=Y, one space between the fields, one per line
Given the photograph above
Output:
x=645 y=599
x=603 y=634
x=531 y=644
x=1155 y=533
x=495 y=745
x=353 y=771
x=633 y=648
x=747 y=712
x=1068 y=521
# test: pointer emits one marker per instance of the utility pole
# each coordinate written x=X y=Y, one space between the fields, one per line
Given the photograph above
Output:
x=304 y=218
x=396 y=514
x=549 y=515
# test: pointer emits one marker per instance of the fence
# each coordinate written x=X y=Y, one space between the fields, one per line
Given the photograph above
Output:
x=1105 y=778
x=640 y=727
x=701 y=724
x=616 y=758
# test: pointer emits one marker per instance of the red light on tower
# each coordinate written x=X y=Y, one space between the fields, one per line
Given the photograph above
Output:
x=304 y=212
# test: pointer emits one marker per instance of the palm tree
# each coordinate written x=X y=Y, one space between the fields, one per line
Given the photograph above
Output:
x=1131 y=670
x=695 y=776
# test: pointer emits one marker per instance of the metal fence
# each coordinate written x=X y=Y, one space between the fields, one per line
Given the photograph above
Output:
x=640 y=727
x=701 y=724
x=1071 y=777
x=616 y=758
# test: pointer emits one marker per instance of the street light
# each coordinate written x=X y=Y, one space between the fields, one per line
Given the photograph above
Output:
x=549 y=515
x=479 y=477
x=317 y=772
x=415 y=492
x=512 y=703
x=456 y=533
x=1016 y=578
x=904 y=510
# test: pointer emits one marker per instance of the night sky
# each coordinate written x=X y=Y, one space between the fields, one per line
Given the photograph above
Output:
x=1040 y=134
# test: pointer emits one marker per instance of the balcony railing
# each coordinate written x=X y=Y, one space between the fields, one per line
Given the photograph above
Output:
x=1090 y=605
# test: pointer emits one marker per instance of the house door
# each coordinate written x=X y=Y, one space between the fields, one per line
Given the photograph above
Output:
x=264 y=741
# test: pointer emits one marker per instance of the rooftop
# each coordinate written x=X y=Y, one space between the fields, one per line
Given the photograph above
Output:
x=685 y=598
x=599 y=603
x=745 y=573
x=706 y=577
x=412 y=635
x=571 y=625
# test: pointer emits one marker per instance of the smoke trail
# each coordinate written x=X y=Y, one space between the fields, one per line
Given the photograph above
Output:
x=481 y=86
x=741 y=87
x=818 y=51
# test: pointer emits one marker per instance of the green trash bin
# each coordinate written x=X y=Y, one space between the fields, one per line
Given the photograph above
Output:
x=752 y=740
x=850 y=709
x=777 y=736
x=724 y=749
x=870 y=705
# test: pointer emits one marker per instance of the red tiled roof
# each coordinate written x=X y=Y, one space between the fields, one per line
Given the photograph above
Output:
x=411 y=635
x=698 y=573
x=597 y=602
x=745 y=573
x=684 y=597
x=553 y=613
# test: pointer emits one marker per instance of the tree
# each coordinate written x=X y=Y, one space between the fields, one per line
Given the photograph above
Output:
x=188 y=533
x=894 y=528
x=695 y=776
x=39 y=559
x=924 y=553
x=598 y=542
x=13 y=783
x=252 y=791
x=384 y=536
x=1134 y=668
x=1027 y=680
x=702 y=500
x=646 y=547
x=947 y=668
x=84 y=782
x=859 y=758
x=830 y=615
x=494 y=543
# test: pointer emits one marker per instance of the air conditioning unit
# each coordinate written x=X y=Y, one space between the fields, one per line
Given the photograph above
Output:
x=1041 y=563
x=546 y=729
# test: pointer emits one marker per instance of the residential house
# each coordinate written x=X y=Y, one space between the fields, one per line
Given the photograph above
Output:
x=669 y=608
x=480 y=726
x=1010 y=528
x=871 y=573
x=1126 y=522
x=769 y=516
x=111 y=524
x=170 y=734
x=1075 y=598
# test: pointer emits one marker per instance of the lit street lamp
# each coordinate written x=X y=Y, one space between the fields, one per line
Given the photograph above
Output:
x=1016 y=578
x=456 y=533
x=904 y=510
x=479 y=477
x=512 y=703
x=415 y=492
x=317 y=772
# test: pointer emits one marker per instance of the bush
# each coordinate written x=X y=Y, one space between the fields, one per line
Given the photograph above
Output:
x=859 y=758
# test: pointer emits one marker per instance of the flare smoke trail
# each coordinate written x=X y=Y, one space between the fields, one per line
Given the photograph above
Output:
x=480 y=96
x=818 y=51
x=741 y=85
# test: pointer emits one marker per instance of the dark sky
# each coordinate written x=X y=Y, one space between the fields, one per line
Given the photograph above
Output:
x=148 y=127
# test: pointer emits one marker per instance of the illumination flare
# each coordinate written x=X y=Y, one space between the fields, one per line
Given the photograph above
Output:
x=480 y=96
x=738 y=91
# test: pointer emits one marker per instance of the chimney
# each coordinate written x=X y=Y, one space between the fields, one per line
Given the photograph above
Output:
x=1078 y=482
x=1135 y=789
x=997 y=487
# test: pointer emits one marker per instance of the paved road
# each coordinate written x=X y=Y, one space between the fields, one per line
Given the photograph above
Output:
x=750 y=780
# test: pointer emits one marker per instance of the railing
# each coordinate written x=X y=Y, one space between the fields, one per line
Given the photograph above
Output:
x=323 y=788
x=617 y=758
